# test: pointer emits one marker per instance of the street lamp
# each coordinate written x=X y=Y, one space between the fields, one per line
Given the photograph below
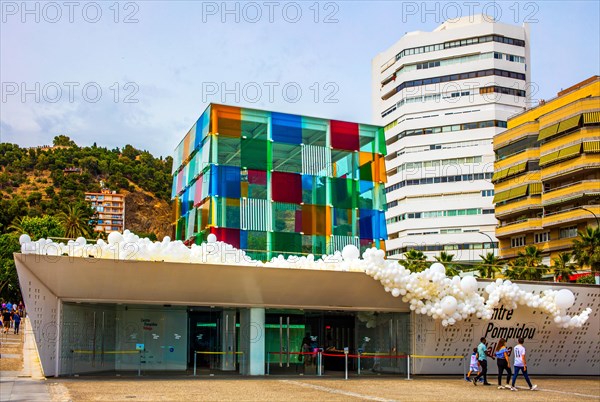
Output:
x=491 y=240
x=597 y=221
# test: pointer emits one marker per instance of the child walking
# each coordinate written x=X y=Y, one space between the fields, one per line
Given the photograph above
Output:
x=473 y=366
x=521 y=365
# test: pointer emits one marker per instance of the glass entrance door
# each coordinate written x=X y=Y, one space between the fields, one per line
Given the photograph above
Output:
x=287 y=343
x=214 y=340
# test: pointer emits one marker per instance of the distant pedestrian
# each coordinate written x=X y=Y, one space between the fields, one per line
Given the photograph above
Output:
x=503 y=361
x=474 y=366
x=17 y=322
x=481 y=356
x=6 y=320
x=521 y=365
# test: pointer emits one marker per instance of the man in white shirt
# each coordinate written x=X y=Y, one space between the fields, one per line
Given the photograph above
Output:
x=521 y=364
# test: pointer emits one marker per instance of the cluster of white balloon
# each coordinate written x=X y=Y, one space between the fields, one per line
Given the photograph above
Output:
x=432 y=293
x=428 y=292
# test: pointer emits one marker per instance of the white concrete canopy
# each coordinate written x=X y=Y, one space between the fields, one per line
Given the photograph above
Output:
x=117 y=281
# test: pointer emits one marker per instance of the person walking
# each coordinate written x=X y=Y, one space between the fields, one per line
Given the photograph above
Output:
x=17 y=322
x=521 y=365
x=473 y=366
x=481 y=356
x=502 y=359
x=6 y=317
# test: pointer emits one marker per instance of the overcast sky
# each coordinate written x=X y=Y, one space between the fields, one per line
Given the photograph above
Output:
x=142 y=72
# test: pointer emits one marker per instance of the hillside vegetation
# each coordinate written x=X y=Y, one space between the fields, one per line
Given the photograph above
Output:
x=42 y=193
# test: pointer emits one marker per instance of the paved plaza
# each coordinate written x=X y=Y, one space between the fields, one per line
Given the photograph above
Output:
x=21 y=379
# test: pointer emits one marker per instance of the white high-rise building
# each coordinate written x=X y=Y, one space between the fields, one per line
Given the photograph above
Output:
x=442 y=96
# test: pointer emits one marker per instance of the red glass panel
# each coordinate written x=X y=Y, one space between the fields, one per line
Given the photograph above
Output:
x=344 y=135
x=229 y=236
x=286 y=187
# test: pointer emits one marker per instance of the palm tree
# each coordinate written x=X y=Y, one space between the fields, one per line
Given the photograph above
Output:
x=446 y=259
x=17 y=226
x=513 y=271
x=586 y=249
x=75 y=221
x=563 y=268
x=415 y=260
x=530 y=264
x=489 y=265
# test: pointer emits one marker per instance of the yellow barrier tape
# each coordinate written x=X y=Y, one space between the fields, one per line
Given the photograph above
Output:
x=437 y=357
x=110 y=352
x=220 y=353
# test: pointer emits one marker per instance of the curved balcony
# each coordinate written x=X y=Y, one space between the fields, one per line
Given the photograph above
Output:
x=570 y=216
x=571 y=191
x=518 y=206
x=520 y=226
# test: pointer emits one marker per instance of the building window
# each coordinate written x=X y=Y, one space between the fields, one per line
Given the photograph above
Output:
x=518 y=241
x=487 y=193
x=567 y=232
x=541 y=237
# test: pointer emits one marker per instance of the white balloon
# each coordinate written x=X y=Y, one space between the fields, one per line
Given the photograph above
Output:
x=211 y=238
x=24 y=238
x=437 y=267
x=81 y=241
x=395 y=292
x=115 y=237
x=350 y=252
x=448 y=305
x=564 y=299
x=468 y=284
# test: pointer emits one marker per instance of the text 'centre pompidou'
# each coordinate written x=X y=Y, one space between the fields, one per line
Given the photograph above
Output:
x=273 y=183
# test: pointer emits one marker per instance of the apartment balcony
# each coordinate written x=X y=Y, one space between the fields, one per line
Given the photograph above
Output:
x=571 y=191
x=583 y=134
x=573 y=215
x=524 y=156
x=518 y=206
x=583 y=162
x=515 y=134
x=560 y=244
x=519 y=227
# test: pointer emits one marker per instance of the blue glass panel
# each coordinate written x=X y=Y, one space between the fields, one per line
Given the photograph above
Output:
x=225 y=181
x=286 y=128
x=366 y=220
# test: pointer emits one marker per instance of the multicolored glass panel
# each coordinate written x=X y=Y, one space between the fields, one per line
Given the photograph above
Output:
x=276 y=183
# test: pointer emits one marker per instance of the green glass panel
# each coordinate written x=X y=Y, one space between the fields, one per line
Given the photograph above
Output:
x=316 y=245
x=228 y=151
x=287 y=157
x=254 y=130
x=367 y=138
x=365 y=200
x=366 y=172
x=254 y=154
x=380 y=144
x=344 y=164
x=314 y=190
x=342 y=221
x=283 y=243
x=257 y=245
x=285 y=216
x=344 y=193
x=228 y=212
x=314 y=131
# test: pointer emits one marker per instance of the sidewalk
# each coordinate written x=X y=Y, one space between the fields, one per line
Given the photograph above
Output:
x=29 y=384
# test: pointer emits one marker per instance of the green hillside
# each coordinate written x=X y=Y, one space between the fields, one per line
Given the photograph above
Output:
x=42 y=192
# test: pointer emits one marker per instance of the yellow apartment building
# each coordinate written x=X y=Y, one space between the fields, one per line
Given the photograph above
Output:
x=547 y=172
x=110 y=209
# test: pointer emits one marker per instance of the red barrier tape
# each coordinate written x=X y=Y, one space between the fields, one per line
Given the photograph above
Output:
x=342 y=355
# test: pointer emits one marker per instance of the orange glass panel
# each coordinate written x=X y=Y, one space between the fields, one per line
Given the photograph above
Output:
x=228 y=120
x=364 y=157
